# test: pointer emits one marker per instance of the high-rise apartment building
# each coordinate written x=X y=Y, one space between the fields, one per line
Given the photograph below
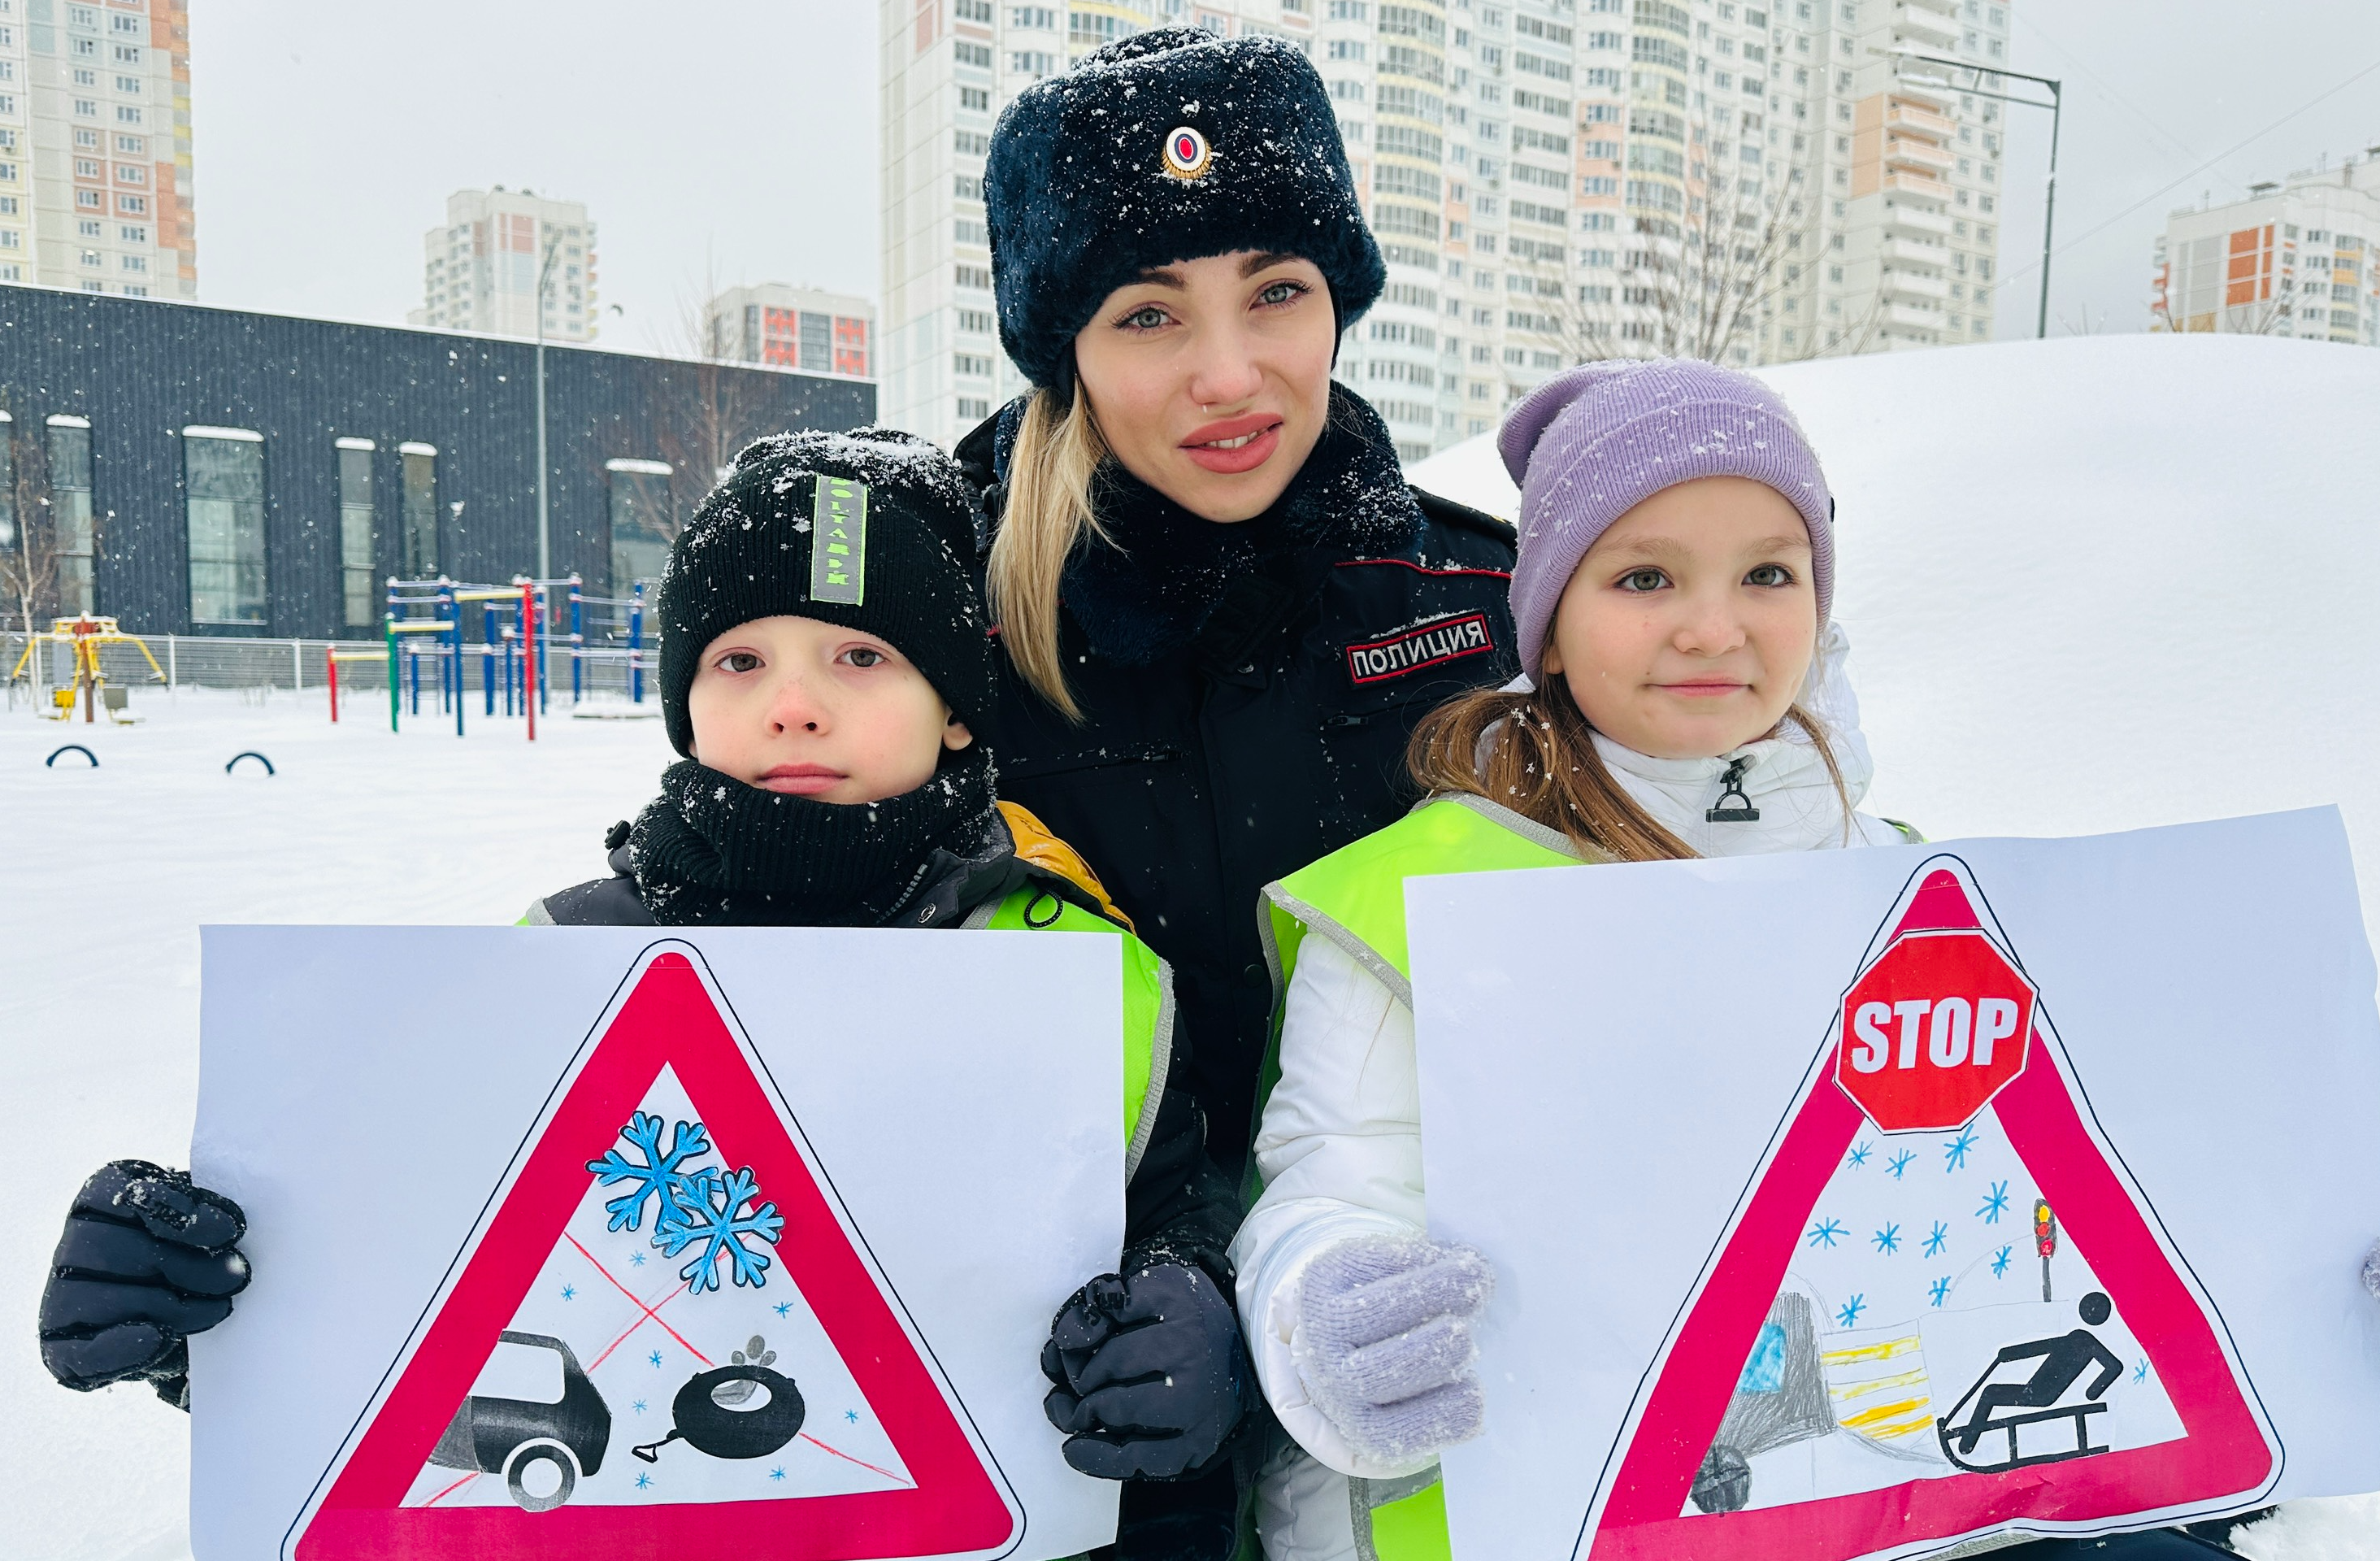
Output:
x=1550 y=180
x=791 y=328
x=2300 y=258
x=480 y=269
x=95 y=147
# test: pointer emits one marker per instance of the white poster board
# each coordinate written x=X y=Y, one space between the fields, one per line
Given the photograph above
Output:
x=522 y=1201
x=1735 y=1317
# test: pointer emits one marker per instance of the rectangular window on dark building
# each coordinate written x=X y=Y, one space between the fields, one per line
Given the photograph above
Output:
x=223 y=496
x=73 y=534
x=642 y=521
x=818 y=342
x=418 y=555
x=355 y=584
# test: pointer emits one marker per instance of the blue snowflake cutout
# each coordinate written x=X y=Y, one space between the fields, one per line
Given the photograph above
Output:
x=658 y=1177
x=720 y=1222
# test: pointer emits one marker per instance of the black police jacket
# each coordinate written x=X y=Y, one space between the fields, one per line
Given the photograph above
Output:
x=1276 y=737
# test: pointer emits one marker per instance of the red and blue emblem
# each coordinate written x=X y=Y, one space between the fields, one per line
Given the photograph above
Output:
x=1186 y=153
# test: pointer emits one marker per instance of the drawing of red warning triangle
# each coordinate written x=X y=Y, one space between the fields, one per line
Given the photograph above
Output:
x=1664 y=1489
x=667 y=1016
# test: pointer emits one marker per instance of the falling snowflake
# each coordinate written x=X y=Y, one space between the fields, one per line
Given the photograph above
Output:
x=1937 y=1238
x=720 y=1222
x=658 y=1177
x=1823 y=1234
x=1887 y=1241
x=1851 y=1310
x=1858 y=1155
x=1994 y=1204
x=1900 y=1163
x=1955 y=1152
x=2000 y=1261
x=1937 y=1291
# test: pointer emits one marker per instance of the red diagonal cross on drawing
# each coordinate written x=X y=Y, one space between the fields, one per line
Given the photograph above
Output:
x=651 y=1313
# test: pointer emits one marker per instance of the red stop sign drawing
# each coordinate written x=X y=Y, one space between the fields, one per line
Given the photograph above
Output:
x=1933 y=1030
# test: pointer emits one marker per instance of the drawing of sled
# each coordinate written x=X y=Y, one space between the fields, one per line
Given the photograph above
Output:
x=512 y=1436
x=2057 y=1364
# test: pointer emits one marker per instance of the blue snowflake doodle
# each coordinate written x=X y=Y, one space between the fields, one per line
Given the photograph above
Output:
x=656 y=1359
x=776 y=1474
x=644 y=1482
x=1887 y=1241
x=1939 y=1290
x=1955 y=1152
x=1851 y=1310
x=783 y=1307
x=1858 y=1155
x=1900 y=1163
x=1994 y=1204
x=639 y=1406
x=658 y=1177
x=1937 y=1238
x=2140 y=1371
x=1823 y=1234
x=2000 y=1261
x=636 y=1260
x=852 y=1416
x=718 y=1221
x=570 y=1292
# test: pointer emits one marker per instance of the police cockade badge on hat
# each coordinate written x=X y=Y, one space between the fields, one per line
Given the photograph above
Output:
x=1186 y=154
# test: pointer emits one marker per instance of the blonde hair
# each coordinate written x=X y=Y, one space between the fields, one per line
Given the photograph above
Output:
x=1535 y=753
x=1048 y=510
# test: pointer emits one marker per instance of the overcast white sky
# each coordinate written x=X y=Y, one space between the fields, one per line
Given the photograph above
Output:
x=737 y=138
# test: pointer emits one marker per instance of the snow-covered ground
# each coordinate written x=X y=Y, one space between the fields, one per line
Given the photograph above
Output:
x=105 y=877
x=2093 y=584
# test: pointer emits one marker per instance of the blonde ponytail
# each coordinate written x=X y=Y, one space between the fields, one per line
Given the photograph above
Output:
x=1048 y=509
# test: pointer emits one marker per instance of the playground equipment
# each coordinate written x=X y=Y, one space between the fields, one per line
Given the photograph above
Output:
x=83 y=636
x=51 y=762
x=429 y=637
x=508 y=652
x=249 y=754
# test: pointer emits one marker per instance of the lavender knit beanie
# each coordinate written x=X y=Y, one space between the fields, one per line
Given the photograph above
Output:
x=1593 y=443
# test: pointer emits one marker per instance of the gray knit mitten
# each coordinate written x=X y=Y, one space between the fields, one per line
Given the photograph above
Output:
x=1384 y=1342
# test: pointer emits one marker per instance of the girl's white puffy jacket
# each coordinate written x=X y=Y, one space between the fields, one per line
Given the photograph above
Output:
x=1340 y=1146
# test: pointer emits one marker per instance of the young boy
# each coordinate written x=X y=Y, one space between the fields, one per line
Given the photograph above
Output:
x=825 y=662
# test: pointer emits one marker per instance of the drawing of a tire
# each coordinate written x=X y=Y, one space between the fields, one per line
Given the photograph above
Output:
x=544 y=1449
x=1723 y=1483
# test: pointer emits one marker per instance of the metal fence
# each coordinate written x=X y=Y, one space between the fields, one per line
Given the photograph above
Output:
x=601 y=672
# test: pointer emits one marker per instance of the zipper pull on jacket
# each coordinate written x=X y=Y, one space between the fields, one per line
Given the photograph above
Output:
x=1732 y=786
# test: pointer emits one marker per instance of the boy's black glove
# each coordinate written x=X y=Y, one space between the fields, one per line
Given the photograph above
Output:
x=147 y=1260
x=1151 y=1375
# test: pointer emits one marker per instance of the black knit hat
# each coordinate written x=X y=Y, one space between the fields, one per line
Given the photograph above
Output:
x=1166 y=146
x=873 y=530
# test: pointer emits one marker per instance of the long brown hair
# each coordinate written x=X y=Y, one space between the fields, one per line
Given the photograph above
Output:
x=1535 y=754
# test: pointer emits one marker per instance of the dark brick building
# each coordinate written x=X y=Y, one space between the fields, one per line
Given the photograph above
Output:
x=206 y=471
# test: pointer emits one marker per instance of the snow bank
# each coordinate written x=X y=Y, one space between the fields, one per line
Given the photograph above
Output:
x=2097 y=583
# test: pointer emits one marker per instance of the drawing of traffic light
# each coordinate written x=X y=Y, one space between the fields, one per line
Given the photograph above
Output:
x=2045 y=1239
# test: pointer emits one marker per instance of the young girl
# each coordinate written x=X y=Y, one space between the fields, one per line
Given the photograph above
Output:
x=1682 y=696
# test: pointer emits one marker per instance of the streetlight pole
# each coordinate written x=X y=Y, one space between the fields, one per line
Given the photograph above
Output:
x=2055 y=106
x=544 y=538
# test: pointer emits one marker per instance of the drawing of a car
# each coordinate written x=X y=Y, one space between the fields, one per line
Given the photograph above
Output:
x=512 y=1436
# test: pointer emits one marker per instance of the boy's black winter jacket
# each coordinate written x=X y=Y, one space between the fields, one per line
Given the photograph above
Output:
x=1276 y=737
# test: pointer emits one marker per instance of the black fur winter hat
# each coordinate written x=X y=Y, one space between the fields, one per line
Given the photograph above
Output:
x=873 y=530
x=1166 y=146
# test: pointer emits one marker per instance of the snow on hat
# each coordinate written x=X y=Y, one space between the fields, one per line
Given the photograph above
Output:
x=873 y=530
x=1594 y=441
x=1166 y=146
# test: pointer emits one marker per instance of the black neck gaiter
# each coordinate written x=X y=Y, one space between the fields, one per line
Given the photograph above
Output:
x=712 y=851
x=1149 y=588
